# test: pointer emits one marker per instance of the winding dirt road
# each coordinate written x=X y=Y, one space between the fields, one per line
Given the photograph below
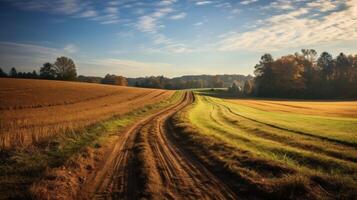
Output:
x=147 y=163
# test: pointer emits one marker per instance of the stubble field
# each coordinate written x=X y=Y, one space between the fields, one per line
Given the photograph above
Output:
x=32 y=111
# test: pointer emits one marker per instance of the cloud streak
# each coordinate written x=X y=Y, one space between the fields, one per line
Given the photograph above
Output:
x=296 y=28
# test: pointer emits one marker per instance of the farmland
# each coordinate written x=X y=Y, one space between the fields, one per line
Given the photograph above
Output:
x=31 y=111
x=281 y=149
x=69 y=140
x=60 y=122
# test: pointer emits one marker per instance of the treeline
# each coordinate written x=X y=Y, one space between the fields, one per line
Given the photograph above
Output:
x=63 y=69
x=183 y=82
x=304 y=75
x=187 y=82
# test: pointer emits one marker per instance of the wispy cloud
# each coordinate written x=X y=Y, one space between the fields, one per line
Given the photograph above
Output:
x=71 y=48
x=88 y=13
x=297 y=27
x=150 y=23
x=178 y=16
x=198 y=24
x=166 y=2
x=55 y=6
x=280 y=5
x=73 y=8
x=26 y=57
x=201 y=3
x=246 y=2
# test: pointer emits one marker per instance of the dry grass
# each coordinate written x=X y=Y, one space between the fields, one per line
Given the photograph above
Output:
x=32 y=111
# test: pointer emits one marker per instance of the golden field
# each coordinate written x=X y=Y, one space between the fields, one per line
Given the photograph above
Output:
x=32 y=111
x=322 y=108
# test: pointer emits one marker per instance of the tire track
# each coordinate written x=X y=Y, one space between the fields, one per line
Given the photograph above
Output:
x=146 y=163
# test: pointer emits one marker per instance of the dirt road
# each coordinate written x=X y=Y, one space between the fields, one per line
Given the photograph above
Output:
x=146 y=163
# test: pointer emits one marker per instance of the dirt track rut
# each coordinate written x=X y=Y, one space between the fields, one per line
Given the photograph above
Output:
x=147 y=163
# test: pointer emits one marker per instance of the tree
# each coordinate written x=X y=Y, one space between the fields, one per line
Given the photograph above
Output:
x=13 y=72
x=2 y=73
x=326 y=64
x=121 y=80
x=309 y=54
x=114 y=80
x=248 y=87
x=47 y=71
x=34 y=74
x=343 y=71
x=65 y=69
x=235 y=90
x=263 y=84
x=216 y=82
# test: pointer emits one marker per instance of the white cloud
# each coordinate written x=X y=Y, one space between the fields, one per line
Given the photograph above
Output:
x=71 y=48
x=201 y=3
x=166 y=2
x=236 y=11
x=73 y=8
x=112 y=10
x=149 y=23
x=169 y=46
x=67 y=7
x=280 y=5
x=246 y=2
x=198 y=24
x=324 y=5
x=224 y=5
x=178 y=16
x=296 y=28
x=88 y=13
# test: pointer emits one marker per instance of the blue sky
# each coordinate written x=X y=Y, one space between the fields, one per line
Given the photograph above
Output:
x=170 y=37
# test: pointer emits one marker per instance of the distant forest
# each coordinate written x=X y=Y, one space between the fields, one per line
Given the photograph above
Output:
x=183 y=82
x=304 y=75
x=64 y=69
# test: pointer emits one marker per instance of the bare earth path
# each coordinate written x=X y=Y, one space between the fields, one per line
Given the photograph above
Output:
x=146 y=163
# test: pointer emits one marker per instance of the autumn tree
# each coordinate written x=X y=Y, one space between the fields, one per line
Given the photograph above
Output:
x=121 y=80
x=65 y=69
x=303 y=76
x=114 y=80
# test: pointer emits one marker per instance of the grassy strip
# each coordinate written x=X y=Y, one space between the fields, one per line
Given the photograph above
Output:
x=248 y=171
x=20 y=168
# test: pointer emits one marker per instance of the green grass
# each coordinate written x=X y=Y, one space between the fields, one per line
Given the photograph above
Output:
x=20 y=168
x=277 y=147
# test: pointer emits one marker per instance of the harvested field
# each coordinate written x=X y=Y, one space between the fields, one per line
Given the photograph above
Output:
x=274 y=151
x=321 y=108
x=31 y=111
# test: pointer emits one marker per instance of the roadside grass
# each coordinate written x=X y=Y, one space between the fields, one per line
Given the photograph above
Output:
x=21 y=167
x=270 y=153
